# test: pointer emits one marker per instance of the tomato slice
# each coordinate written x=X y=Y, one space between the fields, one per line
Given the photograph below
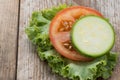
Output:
x=60 y=30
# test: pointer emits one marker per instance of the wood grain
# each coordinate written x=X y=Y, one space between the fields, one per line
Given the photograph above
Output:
x=8 y=38
x=30 y=67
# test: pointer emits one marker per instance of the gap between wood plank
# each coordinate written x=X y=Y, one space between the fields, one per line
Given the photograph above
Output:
x=17 y=42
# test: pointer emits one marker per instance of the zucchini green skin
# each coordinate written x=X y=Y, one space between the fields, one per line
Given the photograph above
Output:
x=84 y=53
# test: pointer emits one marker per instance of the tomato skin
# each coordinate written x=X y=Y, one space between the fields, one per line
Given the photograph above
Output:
x=57 y=38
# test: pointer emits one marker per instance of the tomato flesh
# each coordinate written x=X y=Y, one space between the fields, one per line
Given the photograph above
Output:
x=60 y=30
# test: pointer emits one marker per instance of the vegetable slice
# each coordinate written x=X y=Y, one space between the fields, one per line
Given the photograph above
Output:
x=93 y=36
x=60 y=30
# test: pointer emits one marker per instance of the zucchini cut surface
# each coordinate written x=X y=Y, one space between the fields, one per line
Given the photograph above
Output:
x=92 y=36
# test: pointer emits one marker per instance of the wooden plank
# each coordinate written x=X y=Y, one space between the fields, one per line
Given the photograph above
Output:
x=8 y=38
x=30 y=67
x=111 y=10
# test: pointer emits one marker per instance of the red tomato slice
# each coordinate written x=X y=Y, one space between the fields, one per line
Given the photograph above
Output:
x=60 y=30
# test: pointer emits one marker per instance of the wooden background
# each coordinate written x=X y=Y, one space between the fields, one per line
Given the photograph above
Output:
x=18 y=58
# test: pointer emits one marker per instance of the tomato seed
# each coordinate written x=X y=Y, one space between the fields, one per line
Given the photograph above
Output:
x=64 y=23
x=67 y=27
x=66 y=44
x=70 y=47
x=70 y=22
x=61 y=29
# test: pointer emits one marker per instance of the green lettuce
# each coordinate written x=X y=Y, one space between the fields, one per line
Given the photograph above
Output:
x=38 y=28
x=101 y=67
x=37 y=32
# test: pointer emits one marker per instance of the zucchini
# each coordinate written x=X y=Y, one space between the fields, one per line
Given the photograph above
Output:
x=92 y=36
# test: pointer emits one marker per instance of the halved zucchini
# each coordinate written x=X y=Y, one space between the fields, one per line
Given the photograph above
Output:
x=92 y=36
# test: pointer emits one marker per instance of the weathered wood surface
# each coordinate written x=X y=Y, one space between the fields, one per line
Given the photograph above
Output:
x=8 y=38
x=30 y=67
x=24 y=64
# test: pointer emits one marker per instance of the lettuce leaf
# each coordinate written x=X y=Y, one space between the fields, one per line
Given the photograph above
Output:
x=37 y=32
x=101 y=67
